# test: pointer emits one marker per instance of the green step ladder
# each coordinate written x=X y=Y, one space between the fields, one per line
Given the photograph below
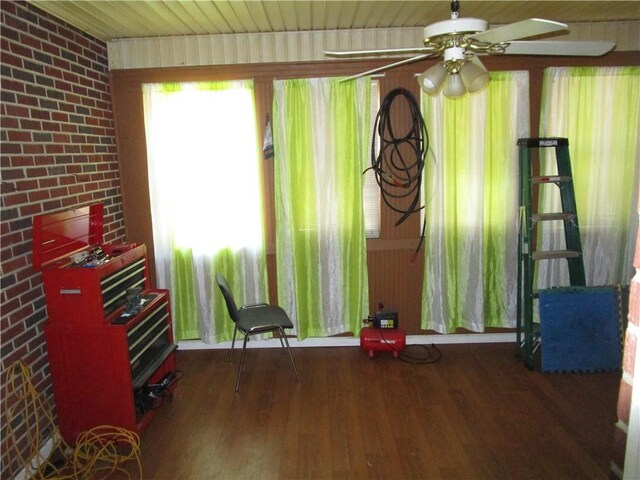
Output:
x=527 y=334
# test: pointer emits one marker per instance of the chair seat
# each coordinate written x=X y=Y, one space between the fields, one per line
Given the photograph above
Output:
x=251 y=319
x=262 y=318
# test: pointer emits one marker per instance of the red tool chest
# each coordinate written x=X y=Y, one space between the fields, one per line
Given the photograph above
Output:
x=382 y=339
x=102 y=351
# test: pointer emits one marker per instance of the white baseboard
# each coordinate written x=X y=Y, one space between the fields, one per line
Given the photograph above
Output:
x=45 y=452
x=355 y=341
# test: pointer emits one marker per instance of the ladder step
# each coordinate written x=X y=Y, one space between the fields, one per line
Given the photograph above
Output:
x=545 y=217
x=543 y=142
x=528 y=338
x=550 y=179
x=551 y=254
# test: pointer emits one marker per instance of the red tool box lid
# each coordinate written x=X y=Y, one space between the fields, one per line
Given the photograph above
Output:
x=58 y=235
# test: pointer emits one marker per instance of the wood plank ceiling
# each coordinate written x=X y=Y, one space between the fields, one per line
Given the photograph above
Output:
x=115 y=19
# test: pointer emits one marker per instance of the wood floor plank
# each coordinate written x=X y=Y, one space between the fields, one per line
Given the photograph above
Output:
x=478 y=413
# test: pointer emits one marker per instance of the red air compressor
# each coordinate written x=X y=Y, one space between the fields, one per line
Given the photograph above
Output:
x=384 y=335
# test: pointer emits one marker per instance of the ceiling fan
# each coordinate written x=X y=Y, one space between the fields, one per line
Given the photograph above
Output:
x=459 y=41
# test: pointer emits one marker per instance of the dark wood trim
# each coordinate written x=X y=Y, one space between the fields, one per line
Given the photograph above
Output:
x=389 y=255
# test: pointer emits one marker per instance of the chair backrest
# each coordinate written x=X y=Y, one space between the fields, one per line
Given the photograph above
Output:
x=228 y=296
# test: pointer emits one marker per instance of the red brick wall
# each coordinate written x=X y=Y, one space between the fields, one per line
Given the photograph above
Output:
x=58 y=151
x=628 y=362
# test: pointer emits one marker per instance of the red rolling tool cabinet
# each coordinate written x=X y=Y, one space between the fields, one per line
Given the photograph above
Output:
x=103 y=350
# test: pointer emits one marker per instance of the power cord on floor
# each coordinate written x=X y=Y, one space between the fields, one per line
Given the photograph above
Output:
x=426 y=357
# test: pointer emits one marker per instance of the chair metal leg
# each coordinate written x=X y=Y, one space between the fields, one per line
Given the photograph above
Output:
x=244 y=349
x=235 y=330
x=283 y=336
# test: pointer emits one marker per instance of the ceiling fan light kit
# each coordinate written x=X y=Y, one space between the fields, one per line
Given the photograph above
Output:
x=454 y=87
x=474 y=76
x=460 y=40
x=432 y=79
x=458 y=74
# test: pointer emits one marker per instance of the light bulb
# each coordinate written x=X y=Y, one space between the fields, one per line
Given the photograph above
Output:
x=473 y=76
x=431 y=79
x=453 y=86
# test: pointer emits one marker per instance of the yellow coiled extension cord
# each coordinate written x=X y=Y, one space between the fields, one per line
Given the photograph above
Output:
x=98 y=453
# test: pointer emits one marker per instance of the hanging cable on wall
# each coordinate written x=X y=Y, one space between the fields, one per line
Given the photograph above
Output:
x=399 y=161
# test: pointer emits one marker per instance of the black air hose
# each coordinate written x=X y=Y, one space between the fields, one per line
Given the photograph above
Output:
x=399 y=177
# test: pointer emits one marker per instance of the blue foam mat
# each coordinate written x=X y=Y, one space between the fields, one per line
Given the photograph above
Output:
x=580 y=329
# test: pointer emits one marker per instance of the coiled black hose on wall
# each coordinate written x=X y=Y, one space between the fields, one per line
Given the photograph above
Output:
x=399 y=161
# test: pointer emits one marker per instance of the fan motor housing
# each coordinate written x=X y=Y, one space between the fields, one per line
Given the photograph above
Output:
x=455 y=26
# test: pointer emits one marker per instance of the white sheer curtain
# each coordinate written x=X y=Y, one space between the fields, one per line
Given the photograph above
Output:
x=321 y=139
x=471 y=193
x=598 y=110
x=206 y=207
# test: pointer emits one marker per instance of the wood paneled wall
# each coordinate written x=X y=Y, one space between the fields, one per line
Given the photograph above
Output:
x=393 y=279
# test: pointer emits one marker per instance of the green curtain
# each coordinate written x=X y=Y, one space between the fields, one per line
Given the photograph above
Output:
x=471 y=205
x=597 y=109
x=321 y=143
x=206 y=201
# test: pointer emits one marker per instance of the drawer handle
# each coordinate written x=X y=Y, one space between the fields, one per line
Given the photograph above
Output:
x=164 y=330
x=142 y=323
x=123 y=279
x=122 y=271
x=70 y=291
x=151 y=329
x=123 y=293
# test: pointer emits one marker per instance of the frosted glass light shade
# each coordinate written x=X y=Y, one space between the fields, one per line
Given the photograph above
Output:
x=473 y=76
x=454 y=87
x=431 y=79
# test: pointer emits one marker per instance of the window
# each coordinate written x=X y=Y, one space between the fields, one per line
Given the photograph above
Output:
x=371 y=191
x=203 y=158
x=206 y=206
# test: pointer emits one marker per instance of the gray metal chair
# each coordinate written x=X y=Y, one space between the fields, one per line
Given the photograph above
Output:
x=254 y=319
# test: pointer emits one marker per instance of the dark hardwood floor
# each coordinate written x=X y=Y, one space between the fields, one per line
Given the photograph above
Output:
x=476 y=414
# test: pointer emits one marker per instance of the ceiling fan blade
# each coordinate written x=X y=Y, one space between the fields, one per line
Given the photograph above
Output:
x=381 y=51
x=389 y=66
x=521 y=29
x=587 y=49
